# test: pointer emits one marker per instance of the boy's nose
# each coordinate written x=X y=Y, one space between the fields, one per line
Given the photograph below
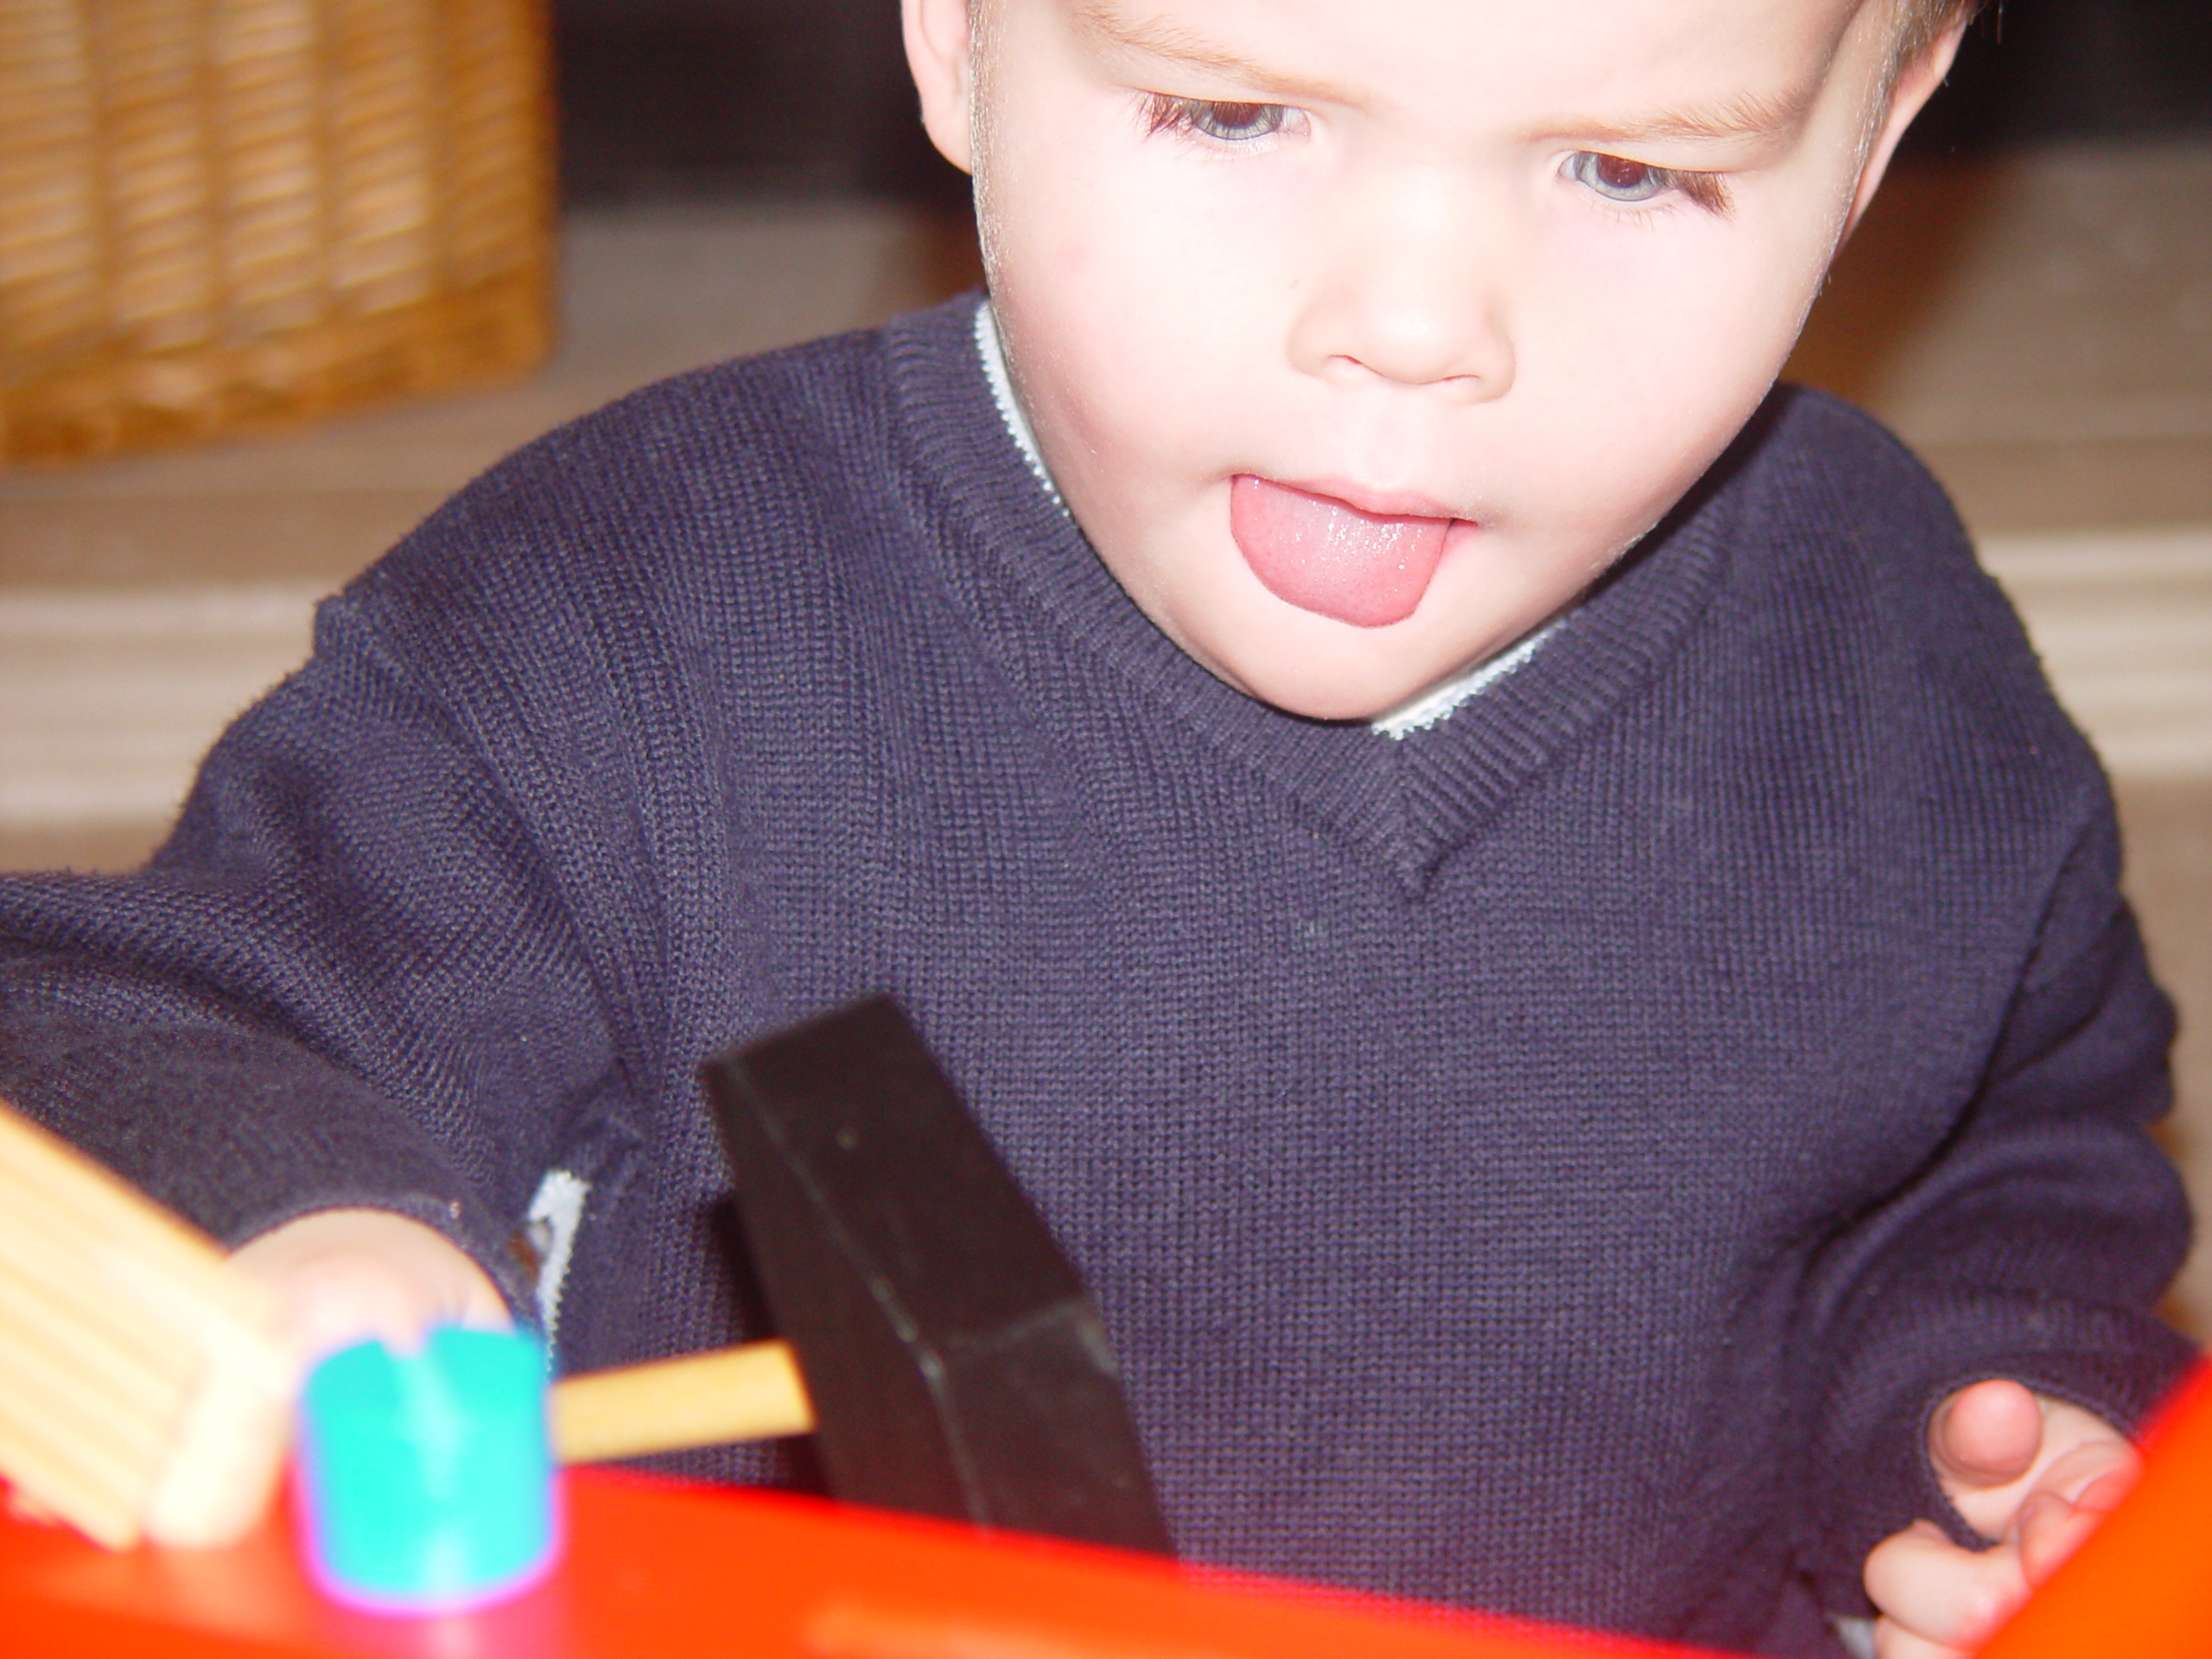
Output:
x=1408 y=289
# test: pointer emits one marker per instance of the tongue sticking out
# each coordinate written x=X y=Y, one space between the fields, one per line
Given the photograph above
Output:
x=1367 y=569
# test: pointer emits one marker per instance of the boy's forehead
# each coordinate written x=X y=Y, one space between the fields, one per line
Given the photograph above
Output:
x=1767 y=55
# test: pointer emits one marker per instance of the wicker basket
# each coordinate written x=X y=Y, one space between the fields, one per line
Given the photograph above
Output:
x=218 y=215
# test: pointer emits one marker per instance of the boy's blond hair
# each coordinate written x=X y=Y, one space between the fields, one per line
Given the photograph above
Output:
x=1920 y=21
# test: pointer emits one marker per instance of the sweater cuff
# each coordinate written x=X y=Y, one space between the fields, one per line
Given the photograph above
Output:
x=240 y=1132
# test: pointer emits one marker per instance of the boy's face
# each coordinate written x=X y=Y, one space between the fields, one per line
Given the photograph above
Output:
x=1360 y=335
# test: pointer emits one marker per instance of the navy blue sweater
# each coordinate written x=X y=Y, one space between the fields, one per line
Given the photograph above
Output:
x=1552 y=1161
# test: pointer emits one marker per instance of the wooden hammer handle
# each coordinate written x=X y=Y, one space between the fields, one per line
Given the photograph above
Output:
x=752 y=1393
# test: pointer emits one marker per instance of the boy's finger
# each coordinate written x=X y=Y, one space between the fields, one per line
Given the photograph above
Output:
x=2095 y=1474
x=343 y=1276
x=332 y=1302
x=2103 y=1496
x=1985 y=1435
x=2051 y=1529
x=2075 y=1492
x=1946 y=1596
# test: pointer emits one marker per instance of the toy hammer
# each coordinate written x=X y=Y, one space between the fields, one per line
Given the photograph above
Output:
x=937 y=1341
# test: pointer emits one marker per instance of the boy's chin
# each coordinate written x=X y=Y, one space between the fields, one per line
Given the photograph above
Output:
x=1318 y=668
x=1314 y=688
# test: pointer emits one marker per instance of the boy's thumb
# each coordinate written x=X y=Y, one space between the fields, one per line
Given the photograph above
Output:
x=1985 y=1435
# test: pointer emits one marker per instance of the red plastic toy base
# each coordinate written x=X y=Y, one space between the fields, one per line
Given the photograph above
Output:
x=676 y=1572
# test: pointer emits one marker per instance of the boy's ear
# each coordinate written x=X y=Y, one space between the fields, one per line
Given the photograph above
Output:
x=940 y=53
x=1917 y=82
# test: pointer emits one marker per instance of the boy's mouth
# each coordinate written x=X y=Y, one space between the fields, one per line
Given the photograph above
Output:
x=1324 y=555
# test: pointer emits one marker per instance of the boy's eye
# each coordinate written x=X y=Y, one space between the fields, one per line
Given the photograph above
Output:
x=1618 y=179
x=1210 y=118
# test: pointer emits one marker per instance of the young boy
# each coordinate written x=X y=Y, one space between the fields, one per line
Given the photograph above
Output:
x=1512 y=893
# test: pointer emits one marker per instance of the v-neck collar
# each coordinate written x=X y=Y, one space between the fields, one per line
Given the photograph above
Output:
x=1408 y=800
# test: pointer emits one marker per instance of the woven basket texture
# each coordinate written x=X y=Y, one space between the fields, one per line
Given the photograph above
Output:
x=222 y=215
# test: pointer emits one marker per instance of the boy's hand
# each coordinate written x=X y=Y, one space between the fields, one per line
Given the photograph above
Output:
x=342 y=1276
x=2033 y=1475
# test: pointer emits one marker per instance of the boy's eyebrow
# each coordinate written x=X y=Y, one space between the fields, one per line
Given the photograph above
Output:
x=1747 y=115
x=1158 y=39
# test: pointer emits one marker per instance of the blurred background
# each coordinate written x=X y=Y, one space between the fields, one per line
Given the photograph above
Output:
x=2029 y=304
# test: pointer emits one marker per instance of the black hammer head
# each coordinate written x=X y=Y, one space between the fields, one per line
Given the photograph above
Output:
x=956 y=1364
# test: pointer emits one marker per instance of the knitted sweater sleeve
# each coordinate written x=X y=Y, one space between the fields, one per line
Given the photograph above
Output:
x=2034 y=1246
x=347 y=978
